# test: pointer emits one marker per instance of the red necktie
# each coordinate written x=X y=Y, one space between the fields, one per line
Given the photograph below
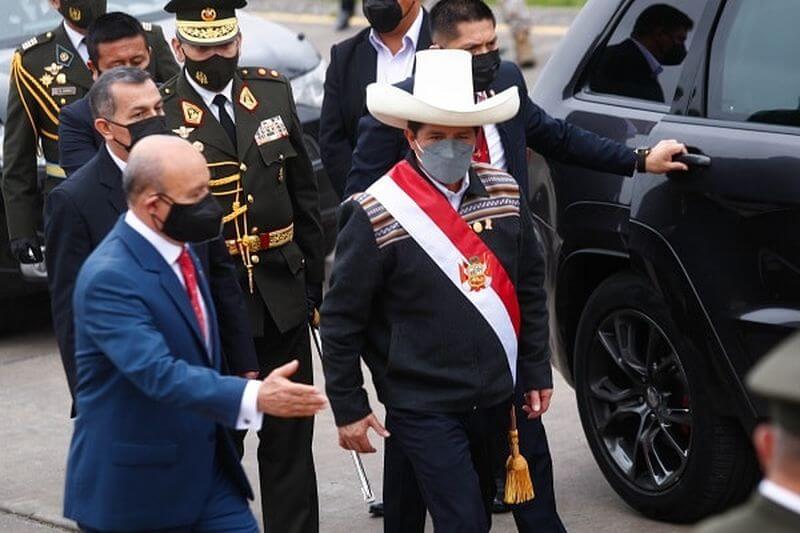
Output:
x=481 y=152
x=190 y=279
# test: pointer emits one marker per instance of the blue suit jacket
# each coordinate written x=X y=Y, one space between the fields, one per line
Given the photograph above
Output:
x=151 y=401
x=78 y=141
x=379 y=146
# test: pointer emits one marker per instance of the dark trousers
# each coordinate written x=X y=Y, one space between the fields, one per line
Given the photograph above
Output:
x=538 y=515
x=348 y=6
x=451 y=457
x=285 y=463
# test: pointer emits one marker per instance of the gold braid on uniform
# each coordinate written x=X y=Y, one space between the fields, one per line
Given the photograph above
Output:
x=238 y=211
x=45 y=101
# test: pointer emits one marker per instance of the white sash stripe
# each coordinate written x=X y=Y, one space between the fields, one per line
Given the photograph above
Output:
x=448 y=258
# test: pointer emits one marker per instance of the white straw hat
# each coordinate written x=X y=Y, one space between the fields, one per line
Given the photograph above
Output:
x=443 y=95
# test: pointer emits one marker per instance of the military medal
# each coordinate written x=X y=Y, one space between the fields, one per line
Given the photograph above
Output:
x=61 y=78
x=46 y=80
x=192 y=114
x=198 y=146
x=475 y=274
x=53 y=69
x=271 y=129
x=183 y=132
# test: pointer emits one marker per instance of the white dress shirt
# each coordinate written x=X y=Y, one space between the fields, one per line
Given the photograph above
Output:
x=782 y=496
x=119 y=162
x=249 y=416
x=208 y=98
x=655 y=66
x=497 y=156
x=78 y=42
x=394 y=68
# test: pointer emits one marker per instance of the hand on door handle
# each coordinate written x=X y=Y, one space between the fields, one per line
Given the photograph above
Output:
x=694 y=160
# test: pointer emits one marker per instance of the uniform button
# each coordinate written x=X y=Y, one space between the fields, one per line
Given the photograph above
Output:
x=63 y=101
x=250 y=199
x=49 y=34
x=254 y=230
x=244 y=73
x=274 y=73
x=262 y=72
x=255 y=259
x=167 y=90
x=243 y=167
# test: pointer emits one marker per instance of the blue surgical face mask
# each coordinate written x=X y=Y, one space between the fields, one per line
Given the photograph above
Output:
x=447 y=161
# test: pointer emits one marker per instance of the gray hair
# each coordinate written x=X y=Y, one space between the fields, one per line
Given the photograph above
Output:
x=143 y=170
x=101 y=98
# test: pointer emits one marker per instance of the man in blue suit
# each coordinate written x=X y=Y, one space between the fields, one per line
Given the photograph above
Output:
x=470 y=25
x=148 y=450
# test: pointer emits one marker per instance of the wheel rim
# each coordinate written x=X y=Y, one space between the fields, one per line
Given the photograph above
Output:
x=638 y=399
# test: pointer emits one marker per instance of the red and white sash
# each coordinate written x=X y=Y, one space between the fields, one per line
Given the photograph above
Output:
x=458 y=252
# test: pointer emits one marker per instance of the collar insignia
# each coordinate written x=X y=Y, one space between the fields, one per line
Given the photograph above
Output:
x=63 y=56
x=247 y=99
x=192 y=114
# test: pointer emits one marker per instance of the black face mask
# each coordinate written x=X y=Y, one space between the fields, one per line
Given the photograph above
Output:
x=484 y=69
x=155 y=125
x=674 y=55
x=213 y=73
x=82 y=13
x=196 y=223
x=383 y=15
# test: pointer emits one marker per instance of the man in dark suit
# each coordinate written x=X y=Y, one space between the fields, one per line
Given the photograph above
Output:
x=631 y=68
x=384 y=52
x=775 y=508
x=148 y=451
x=113 y=40
x=470 y=25
x=83 y=209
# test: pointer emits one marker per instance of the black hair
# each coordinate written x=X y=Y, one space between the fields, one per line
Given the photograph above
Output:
x=101 y=97
x=109 y=28
x=661 y=16
x=446 y=15
x=414 y=127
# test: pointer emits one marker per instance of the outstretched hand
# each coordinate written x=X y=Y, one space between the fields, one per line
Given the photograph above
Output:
x=278 y=396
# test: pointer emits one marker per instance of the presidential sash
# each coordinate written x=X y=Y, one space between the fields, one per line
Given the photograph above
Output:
x=459 y=253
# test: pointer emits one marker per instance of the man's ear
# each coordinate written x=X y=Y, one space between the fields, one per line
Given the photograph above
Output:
x=764 y=444
x=178 y=49
x=410 y=137
x=103 y=128
x=93 y=69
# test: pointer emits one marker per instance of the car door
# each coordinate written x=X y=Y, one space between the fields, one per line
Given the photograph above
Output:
x=732 y=221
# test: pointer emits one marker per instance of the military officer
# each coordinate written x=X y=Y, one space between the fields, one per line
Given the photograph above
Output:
x=775 y=508
x=48 y=72
x=244 y=121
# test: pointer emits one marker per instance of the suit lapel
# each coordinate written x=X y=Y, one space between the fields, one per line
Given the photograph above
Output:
x=151 y=260
x=424 y=42
x=247 y=122
x=207 y=128
x=366 y=58
x=111 y=177
x=76 y=70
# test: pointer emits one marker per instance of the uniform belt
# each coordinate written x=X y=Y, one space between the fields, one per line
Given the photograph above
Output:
x=54 y=171
x=262 y=241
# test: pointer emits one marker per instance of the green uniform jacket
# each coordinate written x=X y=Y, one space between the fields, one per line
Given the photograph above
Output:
x=759 y=515
x=265 y=185
x=47 y=73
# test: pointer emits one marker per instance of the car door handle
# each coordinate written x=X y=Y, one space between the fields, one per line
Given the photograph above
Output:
x=694 y=160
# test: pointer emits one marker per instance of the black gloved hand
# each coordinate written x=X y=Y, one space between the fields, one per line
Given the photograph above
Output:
x=313 y=299
x=27 y=250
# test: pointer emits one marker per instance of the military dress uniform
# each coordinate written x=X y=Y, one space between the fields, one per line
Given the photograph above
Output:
x=48 y=73
x=773 y=508
x=263 y=178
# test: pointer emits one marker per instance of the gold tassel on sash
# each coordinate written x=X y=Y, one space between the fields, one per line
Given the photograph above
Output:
x=519 y=487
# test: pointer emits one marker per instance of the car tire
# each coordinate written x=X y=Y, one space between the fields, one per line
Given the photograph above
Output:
x=658 y=441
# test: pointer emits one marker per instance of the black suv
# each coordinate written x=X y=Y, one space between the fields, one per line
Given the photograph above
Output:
x=665 y=290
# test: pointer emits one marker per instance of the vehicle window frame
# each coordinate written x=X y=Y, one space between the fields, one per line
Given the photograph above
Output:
x=703 y=87
x=579 y=89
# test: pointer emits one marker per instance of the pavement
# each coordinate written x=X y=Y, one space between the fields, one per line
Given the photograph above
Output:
x=35 y=428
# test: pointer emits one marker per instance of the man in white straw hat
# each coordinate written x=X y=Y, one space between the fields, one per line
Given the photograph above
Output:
x=438 y=283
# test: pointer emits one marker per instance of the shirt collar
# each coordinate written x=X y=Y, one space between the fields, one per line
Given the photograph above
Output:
x=208 y=96
x=74 y=37
x=410 y=39
x=655 y=66
x=782 y=496
x=168 y=250
x=119 y=162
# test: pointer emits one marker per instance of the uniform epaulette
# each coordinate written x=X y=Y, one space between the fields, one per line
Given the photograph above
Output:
x=36 y=41
x=168 y=88
x=261 y=73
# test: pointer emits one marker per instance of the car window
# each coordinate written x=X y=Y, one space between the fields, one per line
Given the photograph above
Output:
x=754 y=72
x=642 y=59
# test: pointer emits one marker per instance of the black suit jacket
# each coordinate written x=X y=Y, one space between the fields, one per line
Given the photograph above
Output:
x=78 y=140
x=379 y=146
x=622 y=69
x=79 y=213
x=353 y=66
